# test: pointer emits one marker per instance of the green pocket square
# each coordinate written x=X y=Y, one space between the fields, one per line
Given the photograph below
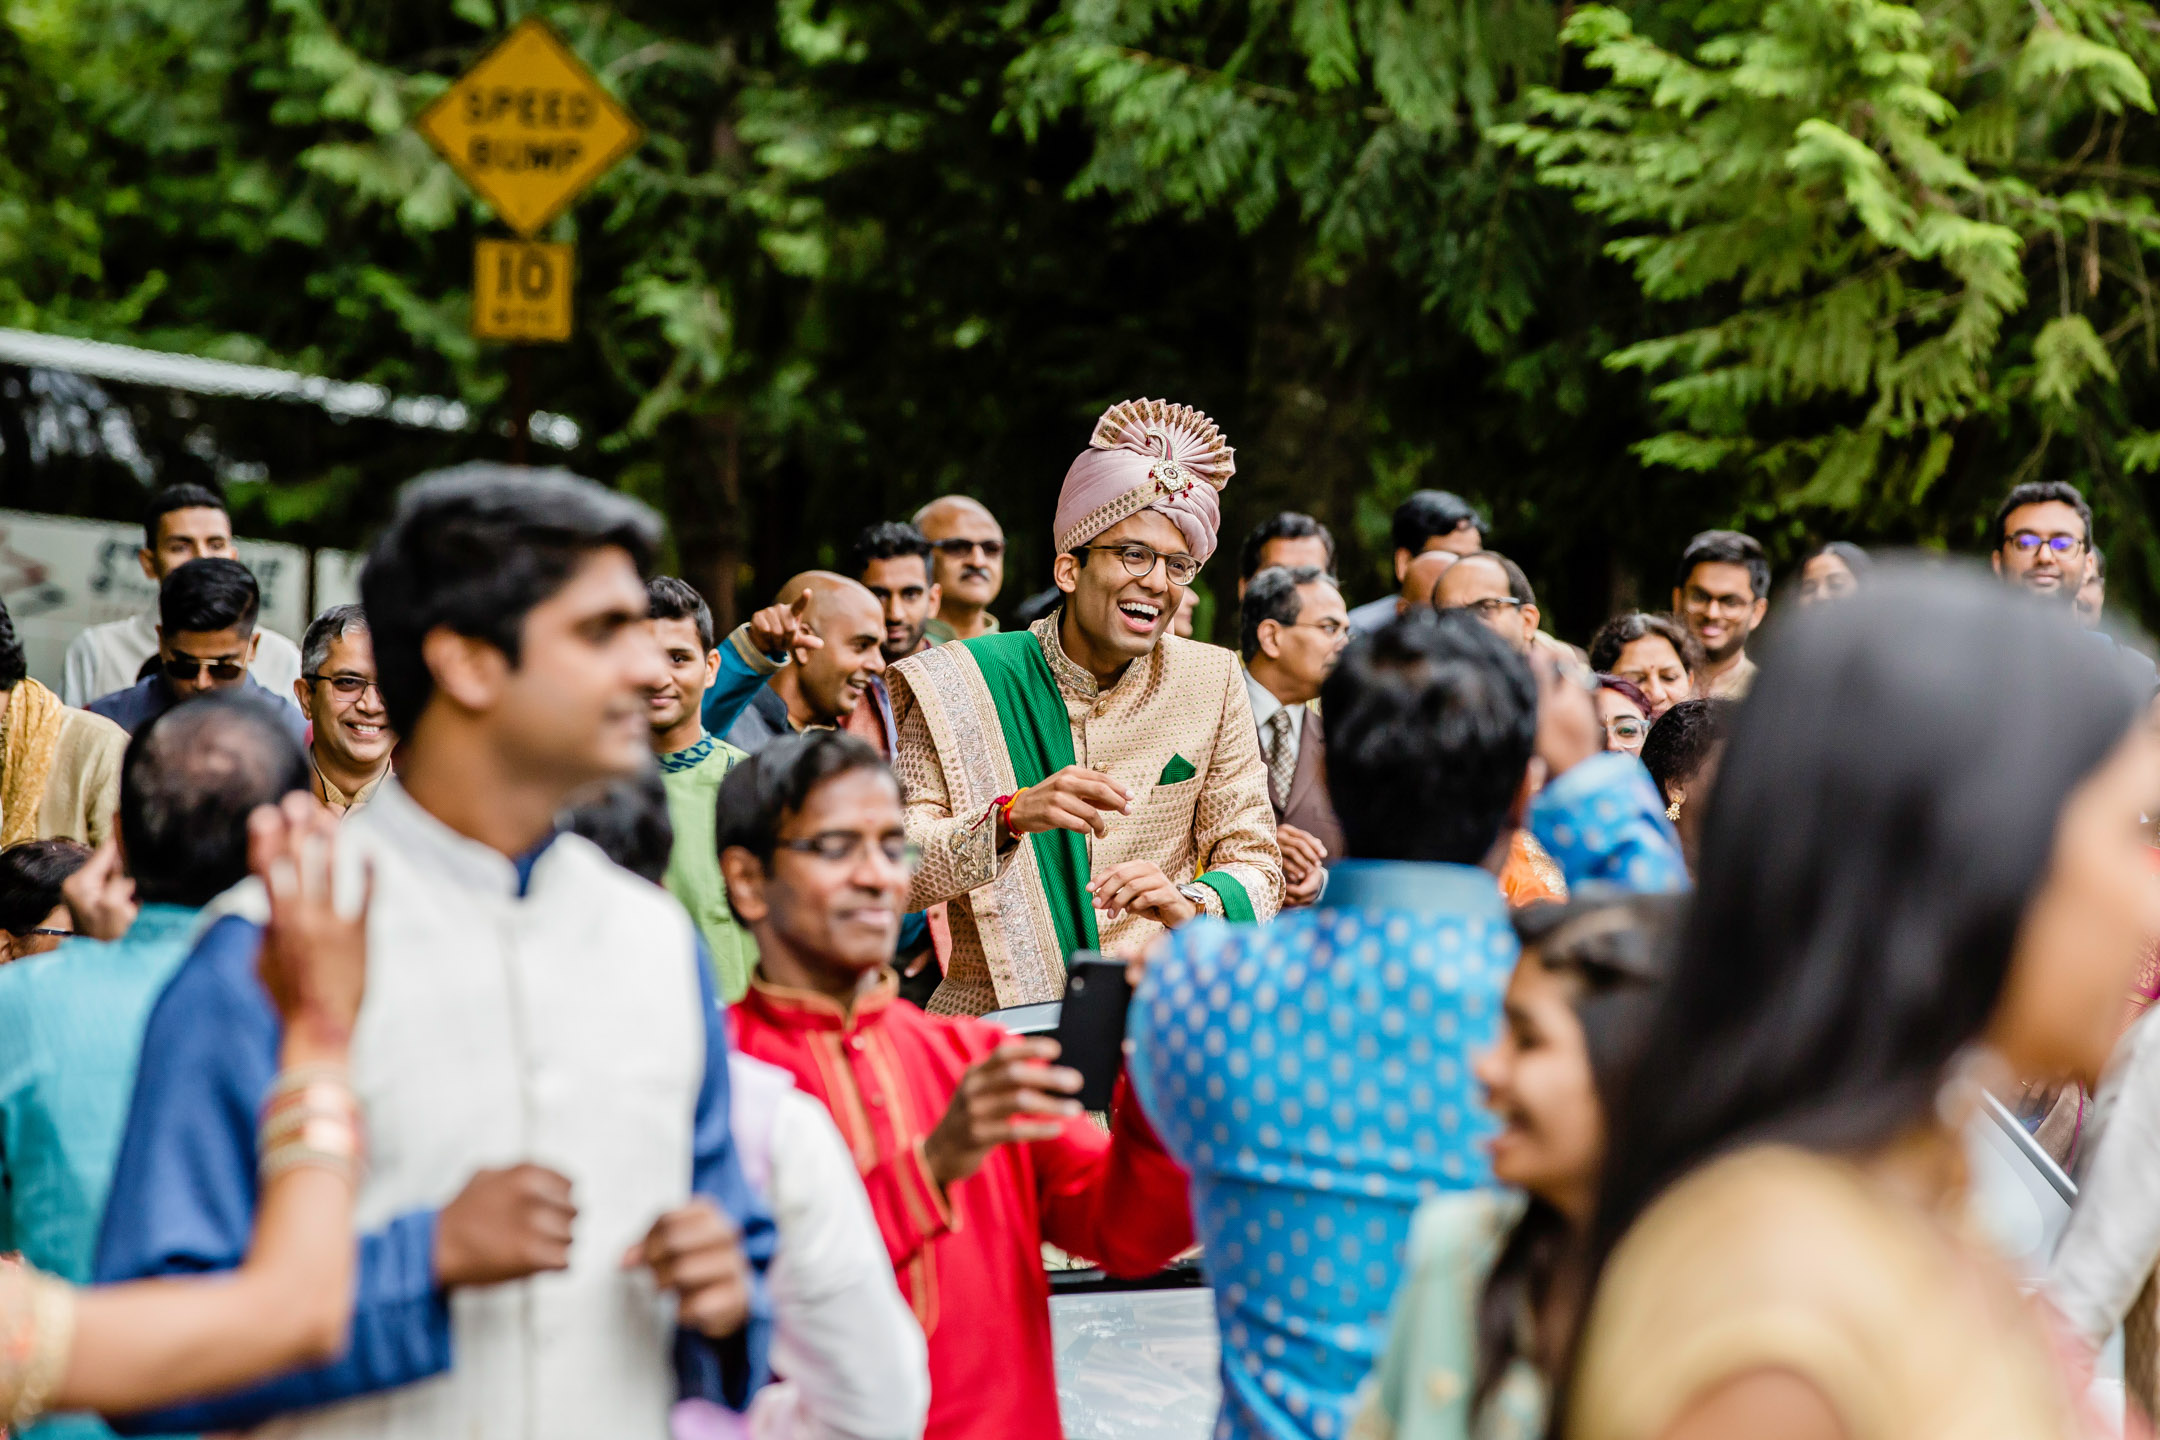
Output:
x=1178 y=769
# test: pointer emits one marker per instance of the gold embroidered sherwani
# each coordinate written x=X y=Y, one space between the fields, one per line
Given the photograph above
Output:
x=1183 y=700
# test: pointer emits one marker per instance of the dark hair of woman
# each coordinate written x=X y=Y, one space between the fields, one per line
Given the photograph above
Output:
x=1683 y=738
x=1612 y=948
x=1622 y=631
x=31 y=873
x=1627 y=689
x=1884 y=812
x=1851 y=556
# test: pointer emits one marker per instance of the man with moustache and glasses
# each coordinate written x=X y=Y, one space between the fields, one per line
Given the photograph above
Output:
x=969 y=566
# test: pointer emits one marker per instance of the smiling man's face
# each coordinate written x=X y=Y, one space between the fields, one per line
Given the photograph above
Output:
x=834 y=916
x=836 y=677
x=673 y=702
x=1719 y=604
x=1122 y=615
x=346 y=709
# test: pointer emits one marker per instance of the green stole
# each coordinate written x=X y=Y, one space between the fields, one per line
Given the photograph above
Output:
x=1038 y=740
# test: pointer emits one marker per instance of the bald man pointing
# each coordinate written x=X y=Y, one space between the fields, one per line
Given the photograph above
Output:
x=810 y=661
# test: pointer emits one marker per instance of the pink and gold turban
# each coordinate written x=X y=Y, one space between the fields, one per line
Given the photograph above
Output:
x=1147 y=455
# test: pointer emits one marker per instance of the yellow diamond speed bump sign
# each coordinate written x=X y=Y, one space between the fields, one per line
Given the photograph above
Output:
x=521 y=290
x=529 y=127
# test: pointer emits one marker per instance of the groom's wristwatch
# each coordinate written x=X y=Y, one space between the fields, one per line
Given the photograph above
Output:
x=1194 y=891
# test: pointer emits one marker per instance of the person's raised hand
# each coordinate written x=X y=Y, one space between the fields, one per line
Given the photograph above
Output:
x=504 y=1225
x=696 y=1251
x=1139 y=886
x=781 y=630
x=1013 y=1095
x=1568 y=731
x=1302 y=852
x=100 y=896
x=313 y=959
x=1073 y=798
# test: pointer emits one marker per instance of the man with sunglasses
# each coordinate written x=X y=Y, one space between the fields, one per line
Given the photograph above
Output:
x=182 y=524
x=349 y=748
x=1087 y=782
x=969 y=1143
x=2043 y=539
x=206 y=641
x=968 y=566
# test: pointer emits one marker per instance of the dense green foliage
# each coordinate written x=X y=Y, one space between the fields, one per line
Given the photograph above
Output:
x=1901 y=245
x=1813 y=266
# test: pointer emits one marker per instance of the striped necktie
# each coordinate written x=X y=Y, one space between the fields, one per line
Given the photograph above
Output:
x=1281 y=756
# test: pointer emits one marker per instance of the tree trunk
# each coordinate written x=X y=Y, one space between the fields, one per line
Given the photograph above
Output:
x=1307 y=444
x=707 y=512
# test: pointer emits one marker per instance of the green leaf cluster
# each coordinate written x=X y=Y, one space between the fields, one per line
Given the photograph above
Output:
x=1879 y=244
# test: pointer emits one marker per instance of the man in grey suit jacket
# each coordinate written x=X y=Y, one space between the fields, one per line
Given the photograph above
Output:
x=1293 y=626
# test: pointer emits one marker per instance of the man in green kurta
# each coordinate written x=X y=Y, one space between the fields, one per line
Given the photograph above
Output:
x=692 y=765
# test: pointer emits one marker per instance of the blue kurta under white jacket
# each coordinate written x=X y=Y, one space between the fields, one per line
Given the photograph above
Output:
x=556 y=1010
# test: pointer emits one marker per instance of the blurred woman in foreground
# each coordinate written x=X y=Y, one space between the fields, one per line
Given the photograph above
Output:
x=1496 y=1277
x=1922 y=864
x=134 y=1347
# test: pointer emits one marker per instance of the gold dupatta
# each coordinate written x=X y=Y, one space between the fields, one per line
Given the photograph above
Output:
x=34 y=719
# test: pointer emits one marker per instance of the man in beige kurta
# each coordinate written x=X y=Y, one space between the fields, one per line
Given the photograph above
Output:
x=1164 y=786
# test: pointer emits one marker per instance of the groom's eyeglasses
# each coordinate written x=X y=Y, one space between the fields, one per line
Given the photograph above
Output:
x=1139 y=561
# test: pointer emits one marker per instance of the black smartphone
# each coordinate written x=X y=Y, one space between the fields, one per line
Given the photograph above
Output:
x=1091 y=1024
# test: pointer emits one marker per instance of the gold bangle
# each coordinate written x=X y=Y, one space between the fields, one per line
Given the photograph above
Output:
x=319 y=1127
x=309 y=1090
x=311 y=1119
x=329 y=1148
x=304 y=1076
x=37 y=1330
x=342 y=1163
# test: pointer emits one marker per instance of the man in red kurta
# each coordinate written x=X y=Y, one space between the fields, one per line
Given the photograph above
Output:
x=968 y=1140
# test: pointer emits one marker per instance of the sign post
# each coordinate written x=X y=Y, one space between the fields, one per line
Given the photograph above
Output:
x=530 y=129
